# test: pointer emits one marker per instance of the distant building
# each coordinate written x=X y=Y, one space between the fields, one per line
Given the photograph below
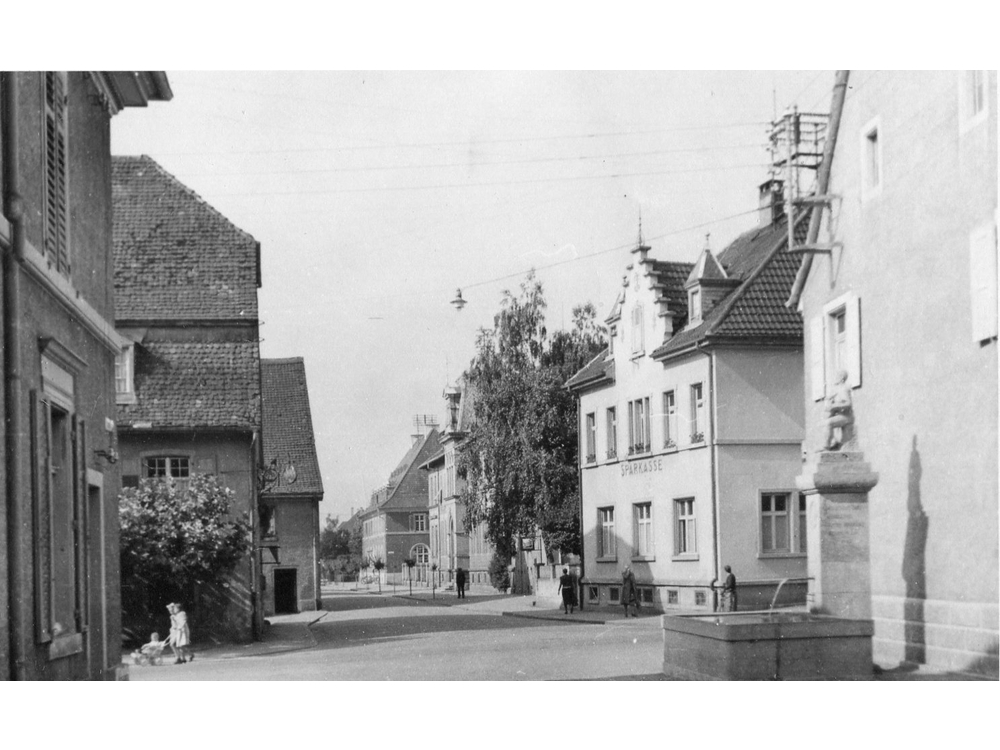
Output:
x=188 y=381
x=59 y=481
x=394 y=526
x=290 y=500
x=906 y=305
x=691 y=428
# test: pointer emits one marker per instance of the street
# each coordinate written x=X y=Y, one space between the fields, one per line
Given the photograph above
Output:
x=368 y=636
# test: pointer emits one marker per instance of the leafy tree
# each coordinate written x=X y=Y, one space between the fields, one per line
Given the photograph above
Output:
x=378 y=564
x=340 y=548
x=520 y=456
x=175 y=541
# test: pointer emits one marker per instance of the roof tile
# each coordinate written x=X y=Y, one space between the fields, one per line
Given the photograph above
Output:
x=286 y=425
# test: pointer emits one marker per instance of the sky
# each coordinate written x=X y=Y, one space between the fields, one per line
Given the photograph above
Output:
x=376 y=195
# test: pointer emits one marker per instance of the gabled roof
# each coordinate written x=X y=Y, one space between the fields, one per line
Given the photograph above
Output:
x=755 y=310
x=418 y=454
x=195 y=385
x=672 y=276
x=286 y=425
x=706 y=268
x=176 y=257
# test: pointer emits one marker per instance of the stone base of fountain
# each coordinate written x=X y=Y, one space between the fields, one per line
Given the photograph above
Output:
x=766 y=646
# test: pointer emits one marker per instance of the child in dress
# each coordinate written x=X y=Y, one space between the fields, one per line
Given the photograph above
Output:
x=180 y=634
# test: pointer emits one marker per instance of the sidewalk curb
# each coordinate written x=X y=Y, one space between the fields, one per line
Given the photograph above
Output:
x=259 y=648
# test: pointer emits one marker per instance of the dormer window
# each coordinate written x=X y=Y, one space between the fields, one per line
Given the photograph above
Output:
x=694 y=304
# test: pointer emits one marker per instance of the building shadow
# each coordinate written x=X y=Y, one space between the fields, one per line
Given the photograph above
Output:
x=914 y=565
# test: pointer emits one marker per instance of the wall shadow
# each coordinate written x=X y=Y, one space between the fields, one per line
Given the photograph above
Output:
x=914 y=565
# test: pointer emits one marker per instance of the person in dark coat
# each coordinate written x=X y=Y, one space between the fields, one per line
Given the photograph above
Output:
x=460 y=582
x=729 y=591
x=567 y=586
x=630 y=592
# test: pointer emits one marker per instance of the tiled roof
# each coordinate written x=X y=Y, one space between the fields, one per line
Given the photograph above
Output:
x=672 y=276
x=601 y=369
x=286 y=425
x=195 y=385
x=176 y=257
x=756 y=309
x=418 y=454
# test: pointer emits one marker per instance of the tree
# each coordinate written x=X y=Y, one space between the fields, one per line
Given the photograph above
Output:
x=520 y=456
x=340 y=548
x=174 y=541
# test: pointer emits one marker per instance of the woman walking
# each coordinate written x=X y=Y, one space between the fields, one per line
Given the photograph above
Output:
x=630 y=592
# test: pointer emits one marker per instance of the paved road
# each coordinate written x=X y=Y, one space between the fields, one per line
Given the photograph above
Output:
x=371 y=637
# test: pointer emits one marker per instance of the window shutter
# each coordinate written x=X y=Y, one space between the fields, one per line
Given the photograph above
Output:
x=983 y=282
x=56 y=240
x=852 y=322
x=817 y=362
x=41 y=440
x=80 y=521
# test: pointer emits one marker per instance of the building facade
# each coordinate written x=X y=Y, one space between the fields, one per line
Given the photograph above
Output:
x=188 y=380
x=691 y=428
x=291 y=496
x=394 y=526
x=906 y=305
x=59 y=554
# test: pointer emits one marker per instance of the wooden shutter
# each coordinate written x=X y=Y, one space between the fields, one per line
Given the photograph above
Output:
x=41 y=450
x=56 y=210
x=852 y=323
x=817 y=360
x=983 y=282
x=80 y=521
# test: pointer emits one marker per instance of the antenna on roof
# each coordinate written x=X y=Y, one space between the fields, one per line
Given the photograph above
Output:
x=640 y=226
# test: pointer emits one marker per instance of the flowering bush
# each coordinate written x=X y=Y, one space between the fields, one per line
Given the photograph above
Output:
x=174 y=539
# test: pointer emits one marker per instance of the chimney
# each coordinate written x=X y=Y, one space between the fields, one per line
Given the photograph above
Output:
x=772 y=202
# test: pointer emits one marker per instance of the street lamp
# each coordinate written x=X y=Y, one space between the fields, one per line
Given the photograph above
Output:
x=458 y=302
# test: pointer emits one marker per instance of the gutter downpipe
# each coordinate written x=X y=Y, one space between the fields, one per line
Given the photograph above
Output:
x=579 y=480
x=716 y=530
x=822 y=185
x=14 y=210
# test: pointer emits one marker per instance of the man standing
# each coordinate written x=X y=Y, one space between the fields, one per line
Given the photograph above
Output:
x=567 y=587
x=460 y=582
x=729 y=591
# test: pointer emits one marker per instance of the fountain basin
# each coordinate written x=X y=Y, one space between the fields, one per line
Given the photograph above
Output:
x=766 y=646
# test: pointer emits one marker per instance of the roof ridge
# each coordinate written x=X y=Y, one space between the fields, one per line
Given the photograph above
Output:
x=145 y=158
x=741 y=290
x=281 y=360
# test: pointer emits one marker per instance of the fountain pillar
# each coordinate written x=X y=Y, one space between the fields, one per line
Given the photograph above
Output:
x=836 y=484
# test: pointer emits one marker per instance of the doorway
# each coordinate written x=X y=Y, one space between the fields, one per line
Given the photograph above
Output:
x=286 y=596
x=97 y=646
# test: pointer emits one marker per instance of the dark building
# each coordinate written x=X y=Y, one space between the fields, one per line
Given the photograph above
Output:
x=188 y=379
x=292 y=491
x=59 y=567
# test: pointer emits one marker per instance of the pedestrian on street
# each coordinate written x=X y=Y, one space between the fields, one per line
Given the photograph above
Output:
x=180 y=634
x=729 y=591
x=460 y=582
x=630 y=592
x=567 y=586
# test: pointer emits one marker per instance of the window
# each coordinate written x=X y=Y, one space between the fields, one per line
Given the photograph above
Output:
x=124 y=375
x=591 y=438
x=418 y=522
x=643 y=529
x=983 y=278
x=56 y=212
x=646 y=593
x=671 y=596
x=614 y=593
x=871 y=160
x=268 y=521
x=612 y=433
x=669 y=420
x=606 y=540
x=164 y=467
x=699 y=598
x=694 y=305
x=835 y=345
x=638 y=346
x=638 y=426
x=420 y=554
x=782 y=524
x=593 y=594
x=684 y=527
x=697 y=414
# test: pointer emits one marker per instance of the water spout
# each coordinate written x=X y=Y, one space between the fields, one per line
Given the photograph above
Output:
x=777 y=591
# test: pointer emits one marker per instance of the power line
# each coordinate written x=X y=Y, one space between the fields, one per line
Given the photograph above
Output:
x=486 y=163
x=467 y=185
x=469 y=143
